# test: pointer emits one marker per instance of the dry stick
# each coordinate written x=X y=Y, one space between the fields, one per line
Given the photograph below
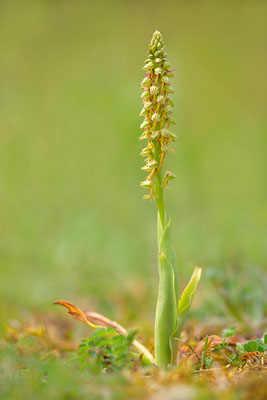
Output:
x=190 y=347
x=226 y=357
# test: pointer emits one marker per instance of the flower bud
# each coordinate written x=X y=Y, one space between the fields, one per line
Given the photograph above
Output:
x=170 y=175
x=165 y=132
x=143 y=112
x=168 y=109
x=161 y=99
x=145 y=124
x=167 y=65
x=152 y=164
x=165 y=79
x=145 y=94
x=144 y=135
x=146 y=184
x=154 y=90
x=148 y=66
x=171 y=120
x=158 y=71
x=155 y=117
x=146 y=168
x=148 y=105
x=169 y=89
x=154 y=135
x=145 y=152
x=146 y=81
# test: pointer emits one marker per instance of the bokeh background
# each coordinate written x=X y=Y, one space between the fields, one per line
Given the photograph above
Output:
x=73 y=224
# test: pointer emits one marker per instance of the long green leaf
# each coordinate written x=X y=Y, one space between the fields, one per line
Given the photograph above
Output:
x=189 y=291
x=166 y=247
x=168 y=297
x=166 y=313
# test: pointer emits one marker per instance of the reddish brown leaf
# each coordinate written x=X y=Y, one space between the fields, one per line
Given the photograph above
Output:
x=104 y=321
x=95 y=320
x=76 y=313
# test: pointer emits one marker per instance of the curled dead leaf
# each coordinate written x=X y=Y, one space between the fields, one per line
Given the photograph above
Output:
x=76 y=313
x=104 y=321
x=95 y=320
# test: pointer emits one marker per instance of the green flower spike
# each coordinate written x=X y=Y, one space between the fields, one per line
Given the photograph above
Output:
x=157 y=110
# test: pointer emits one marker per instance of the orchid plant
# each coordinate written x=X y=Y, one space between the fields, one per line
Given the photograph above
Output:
x=157 y=112
x=170 y=309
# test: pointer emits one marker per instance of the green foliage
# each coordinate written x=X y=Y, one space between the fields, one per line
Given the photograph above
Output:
x=208 y=362
x=234 y=357
x=221 y=346
x=242 y=295
x=167 y=302
x=27 y=374
x=166 y=313
x=106 y=350
x=253 y=345
x=230 y=331
x=203 y=356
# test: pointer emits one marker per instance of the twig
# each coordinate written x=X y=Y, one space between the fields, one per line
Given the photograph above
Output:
x=225 y=356
x=190 y=347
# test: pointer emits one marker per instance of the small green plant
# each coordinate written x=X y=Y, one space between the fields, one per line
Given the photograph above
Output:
x=107 y=350
x=205 y=361
x=259 y=345
x=252 y=350
x=157 y=113
x=230 y=331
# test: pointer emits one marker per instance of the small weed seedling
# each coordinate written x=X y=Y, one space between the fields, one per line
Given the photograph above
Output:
x=253 y=351
x=106 y=350
x=205 y=361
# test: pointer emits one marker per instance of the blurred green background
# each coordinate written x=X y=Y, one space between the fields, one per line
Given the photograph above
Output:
x=73 y=224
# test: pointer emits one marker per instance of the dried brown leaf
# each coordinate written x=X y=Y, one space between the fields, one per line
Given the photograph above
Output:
x=76 y=313
x=104 y=321
x=95 y=320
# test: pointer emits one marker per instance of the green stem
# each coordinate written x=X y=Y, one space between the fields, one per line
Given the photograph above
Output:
x=159 y=189
x=166 y=309
x=160 y=200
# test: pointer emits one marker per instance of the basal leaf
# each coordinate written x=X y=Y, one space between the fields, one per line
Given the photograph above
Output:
x=166 y=247
x=166 y=312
